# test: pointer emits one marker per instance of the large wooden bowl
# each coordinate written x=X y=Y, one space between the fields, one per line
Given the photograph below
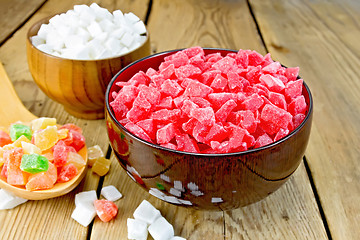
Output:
x=209 y=181
x=79 y=85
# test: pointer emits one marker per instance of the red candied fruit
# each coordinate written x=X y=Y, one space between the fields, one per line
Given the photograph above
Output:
x=105 y=209
x=212 y=103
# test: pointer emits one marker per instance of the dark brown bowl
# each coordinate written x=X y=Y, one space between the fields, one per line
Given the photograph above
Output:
x=205 y=181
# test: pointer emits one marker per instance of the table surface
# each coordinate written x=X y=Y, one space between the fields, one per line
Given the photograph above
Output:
x=320 y=201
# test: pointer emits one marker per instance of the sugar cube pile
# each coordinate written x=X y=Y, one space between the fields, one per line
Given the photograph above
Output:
x=148 y=219
x=90 y=32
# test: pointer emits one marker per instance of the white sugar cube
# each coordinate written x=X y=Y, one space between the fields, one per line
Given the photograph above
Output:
x=137 y=229
x=118 y=33
x=178 y=185
x=177 y=238
x=146 y=212
x=54 y=40
x=111 y=193
x=171 y=199
x=9 y=200
x=102 y=13
x=80 y=8
x=123 y=50
x=82 y=53
x=84 y=34
x=86 y=197
x=104 y=54
x=161 y=229
x=216 y=200
x=56 y=21
x=112 y=44
x=84 y=213
x=131 y=17
x=87 y=15
x=94 y=29
x=43 y=31
x=127 y=39
x=45 y=48
x=139 y=27
x=118 y=16
x=102 y=37
x=157 y=193
x=36 y=40
x=74 y=41
x=107 y=25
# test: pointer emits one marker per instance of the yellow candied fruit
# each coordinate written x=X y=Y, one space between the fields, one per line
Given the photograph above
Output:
x=30 y=148
x=94 y=153
x=101 y=166
x=46 y=138
x=62 y=133
x=76 y=159
x=21 y=139
x=42 y=123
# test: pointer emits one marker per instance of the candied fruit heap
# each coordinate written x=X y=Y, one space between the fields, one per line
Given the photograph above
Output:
x=212 y=103
x=37 y=155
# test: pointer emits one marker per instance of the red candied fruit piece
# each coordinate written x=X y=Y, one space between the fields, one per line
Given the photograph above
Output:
x=3 y=173
x=297 y=105
x=177 y=59
x=225 y=64
x=213 y=57
x=223 y=147
x=281 y=133
x=234 y=82
x=253 y=74
x=166 y=102
x=208 y=76
x=152 y=95
x=136 y=114
x=166 y=116
x=4 y=138
x=216 y=133
x=271 y=68
x=166 y=133
x=193 y=51
x=198 y=61
x=169 y=145
x=189 y=125
x=171 y=88
x=105 y=209
x=168 y=72
x=267 y=60
x=242 y=58
x=263 y=140
x=148 y=126
x=138 y=131
x=67 y=173
x=136 y=80
x=201 y=102
x=278 y=100
x=186 y=143
x=13 y=160
x=197 y=89
x=293 y=89
x=188 y=106
x=61 y=153
x=157 y=79
x=223 y=112
x=292 y=73
x=255 y=58
x=187 y=71
x=150 y=72
x=200 y=131
x=219 y=83
x=246 y=119
x=272 y=83
x=75 y=140
x=219 y=99
x=298 y=119
x=273 y=118
x=253 y=102
x=119 y=109
x=205 y=116
x=126 y=95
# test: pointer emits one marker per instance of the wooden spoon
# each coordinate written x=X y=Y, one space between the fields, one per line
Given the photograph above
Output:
x=13 y=110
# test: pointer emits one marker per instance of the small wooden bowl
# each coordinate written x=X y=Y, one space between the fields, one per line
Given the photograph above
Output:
x=206 y=181
x=79 y=85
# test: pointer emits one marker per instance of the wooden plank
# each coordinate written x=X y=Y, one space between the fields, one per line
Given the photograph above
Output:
x=43 y=218
x=13 y=13
x=216 y=24
x=328 y=55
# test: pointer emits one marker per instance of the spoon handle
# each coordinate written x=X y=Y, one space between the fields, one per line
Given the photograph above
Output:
x=11 y=107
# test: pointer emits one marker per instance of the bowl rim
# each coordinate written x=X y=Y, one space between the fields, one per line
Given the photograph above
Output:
x=153 y=145
x=45 y=20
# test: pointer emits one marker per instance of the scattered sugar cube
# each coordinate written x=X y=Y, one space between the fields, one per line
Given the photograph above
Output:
x=84 y=213
x=177 y=238
x=216 y=200
x=146 y=212
x=137 y=229
x=178 y=185
x=156 y=193
x=86 y=197
x=111 y=193
x=161 y=229
x=175 y=192
x=171 y=199
x=9 y=201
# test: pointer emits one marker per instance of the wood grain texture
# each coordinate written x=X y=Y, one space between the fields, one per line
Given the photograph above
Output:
x=13 y=13
x=321 y=37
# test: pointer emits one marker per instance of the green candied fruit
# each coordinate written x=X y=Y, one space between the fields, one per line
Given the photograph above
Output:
x=17 y=130
x=34 y=163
